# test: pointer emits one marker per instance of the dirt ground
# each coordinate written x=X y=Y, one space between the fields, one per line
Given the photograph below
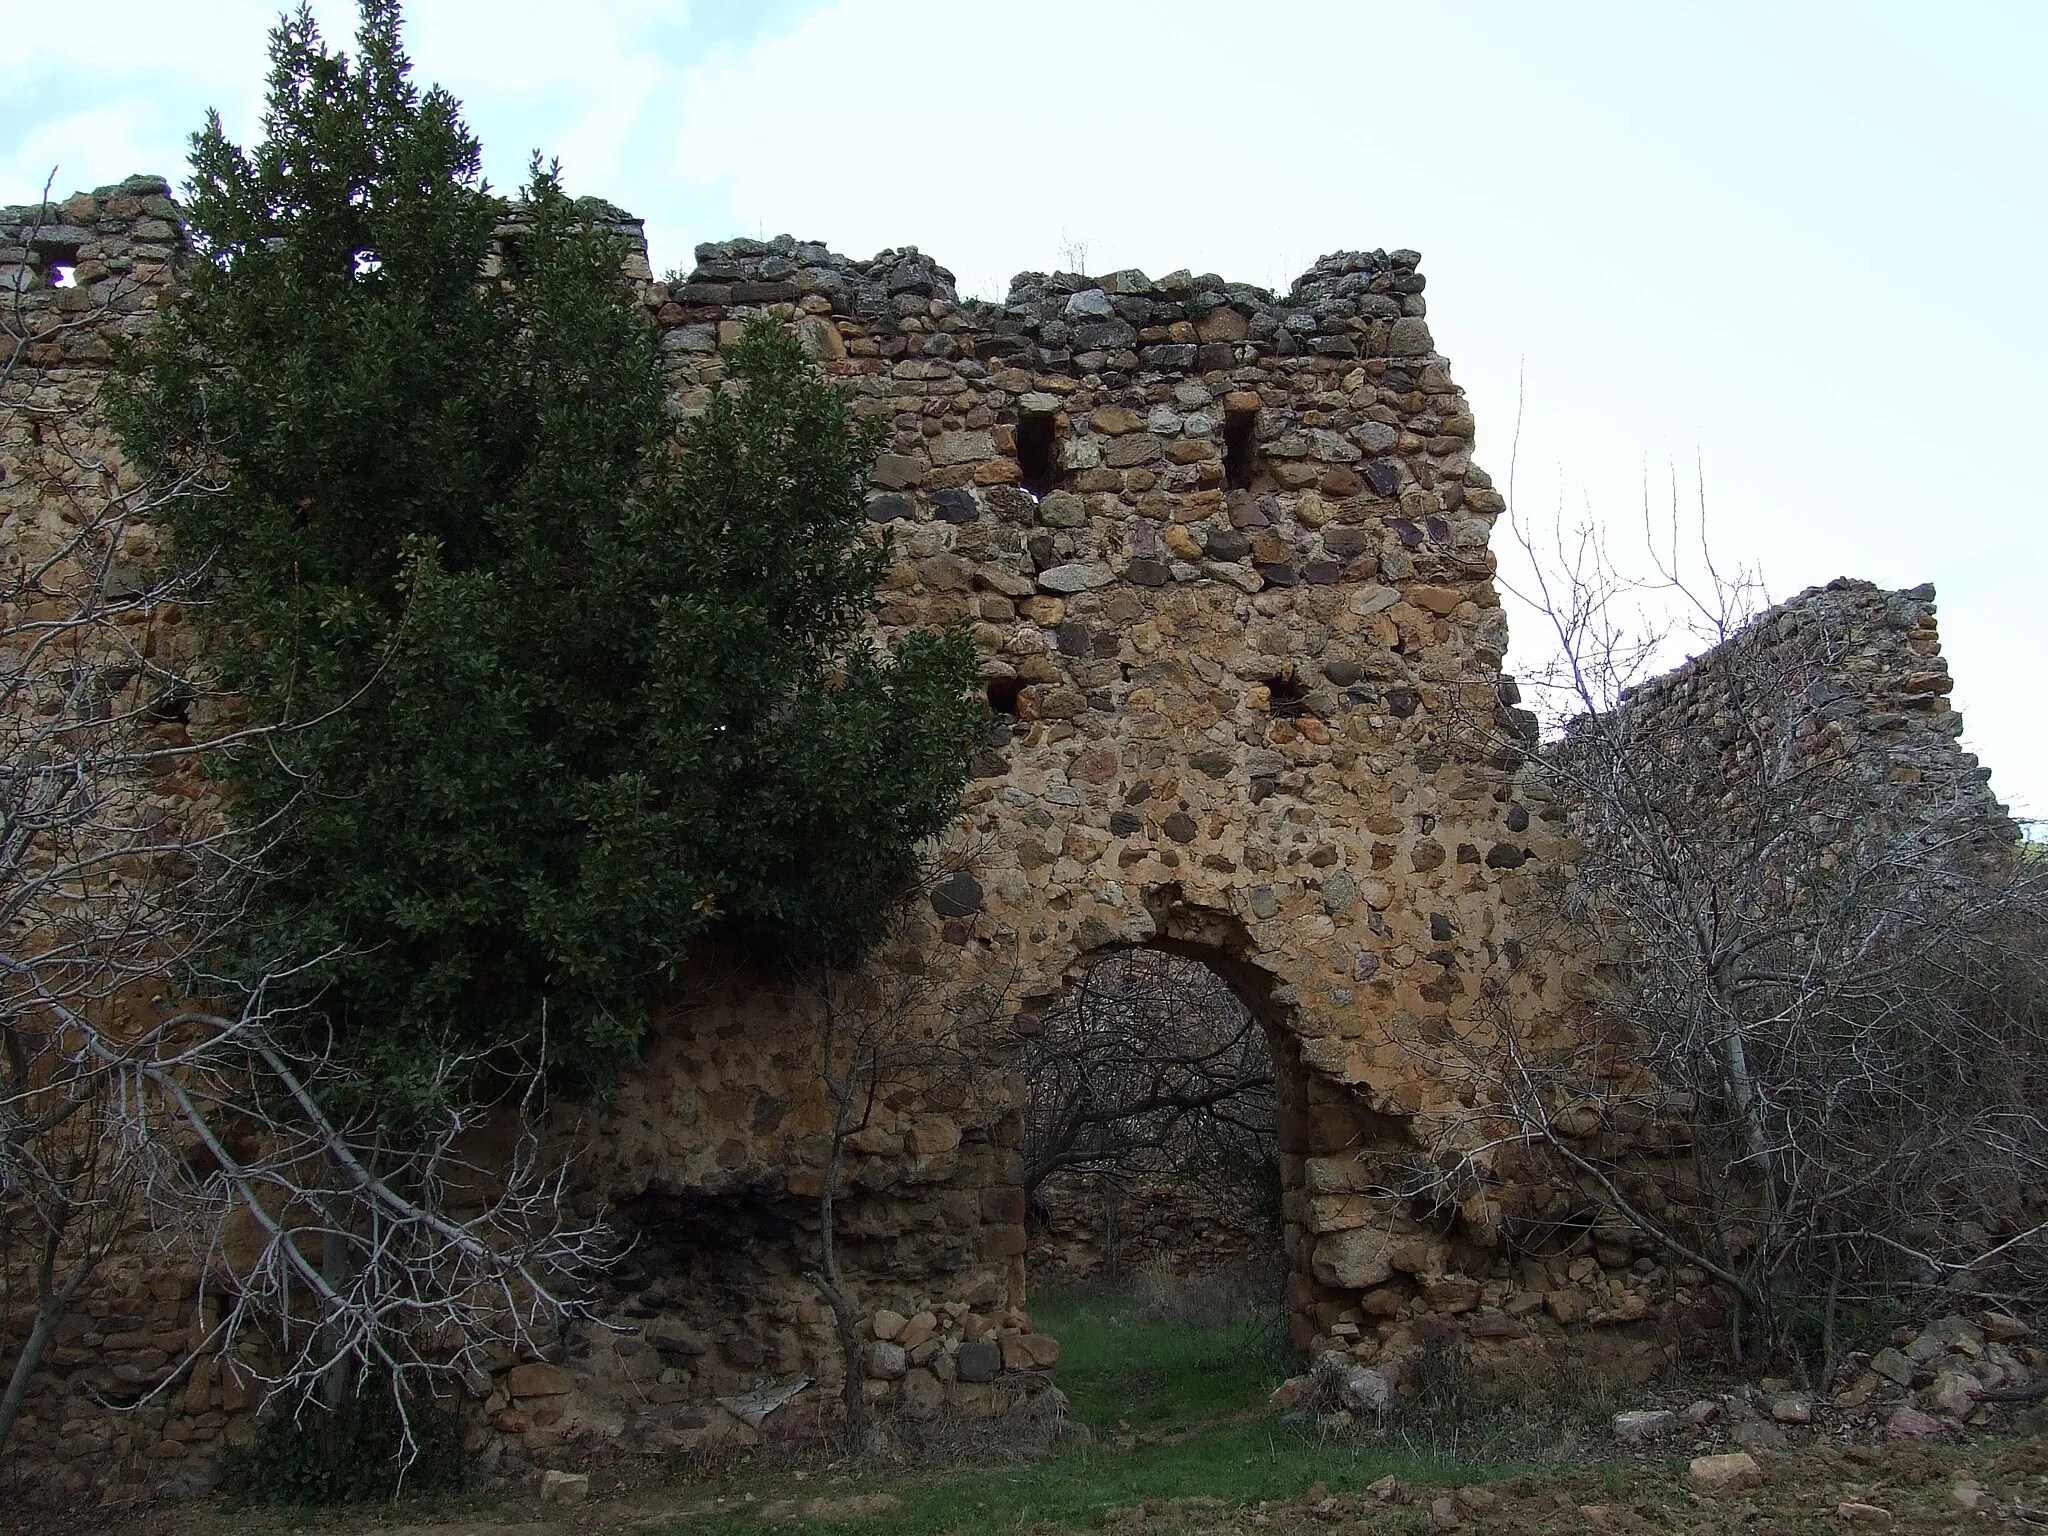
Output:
x=1904 y=1487
x=1980 y=1484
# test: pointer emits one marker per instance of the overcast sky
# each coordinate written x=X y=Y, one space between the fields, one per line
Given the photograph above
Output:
x=1791 y=250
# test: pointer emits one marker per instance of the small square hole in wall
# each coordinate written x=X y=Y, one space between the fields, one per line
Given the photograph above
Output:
x=1003 y=693
x=1038 y=462
x=59 y=263
x=1239 y=430
x=1289 y=698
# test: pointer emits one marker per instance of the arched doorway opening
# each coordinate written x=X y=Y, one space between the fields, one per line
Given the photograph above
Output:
x=1151 y=1146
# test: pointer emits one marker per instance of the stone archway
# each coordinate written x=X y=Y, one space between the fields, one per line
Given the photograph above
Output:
x=1150 y=1140
x=1335 y=1223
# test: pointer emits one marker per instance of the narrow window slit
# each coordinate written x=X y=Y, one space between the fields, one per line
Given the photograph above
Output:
x=58 y=261
x=1238 y=430
x=1037 y=454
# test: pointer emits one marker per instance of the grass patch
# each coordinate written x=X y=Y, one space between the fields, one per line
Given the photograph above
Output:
x=1240 y=1462
x=1120 y=1359
x=1171 y=1390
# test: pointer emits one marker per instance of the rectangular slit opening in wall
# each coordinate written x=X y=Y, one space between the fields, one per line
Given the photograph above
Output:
x=1239 y=429
x=1038 y=454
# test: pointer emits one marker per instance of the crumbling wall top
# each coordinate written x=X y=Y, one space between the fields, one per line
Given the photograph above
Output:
x=1077 y=324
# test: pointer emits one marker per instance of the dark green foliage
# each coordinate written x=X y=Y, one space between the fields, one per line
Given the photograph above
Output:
x=354 y=1454
x=571 y=683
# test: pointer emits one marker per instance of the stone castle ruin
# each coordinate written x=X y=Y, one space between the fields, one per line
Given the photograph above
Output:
x=1225 y=558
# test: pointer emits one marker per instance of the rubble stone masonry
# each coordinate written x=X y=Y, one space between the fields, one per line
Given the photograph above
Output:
x=1224 y=558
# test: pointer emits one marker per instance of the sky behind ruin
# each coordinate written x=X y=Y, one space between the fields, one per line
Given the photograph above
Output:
x=1793 y=251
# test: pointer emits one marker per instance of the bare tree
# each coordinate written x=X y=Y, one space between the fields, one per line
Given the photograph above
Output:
x=857 y=1040
x=882 y=1039
x=136 y=1094
x=1820 y=952
x=342 y=1248
x=1150 y=1066
x=105 y=880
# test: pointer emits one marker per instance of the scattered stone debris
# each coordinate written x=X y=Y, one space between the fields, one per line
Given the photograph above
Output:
x=1717 y=1474
x=1895 y=1486
x=1642 y=1425
x=564 y=1487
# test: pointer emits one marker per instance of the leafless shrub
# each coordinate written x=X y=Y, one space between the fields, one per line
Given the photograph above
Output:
x=1820 y=954
x=1249 y=1291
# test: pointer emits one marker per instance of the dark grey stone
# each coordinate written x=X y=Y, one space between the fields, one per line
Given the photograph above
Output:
x=955 y=506
x=1104 y=334
x=979 y=1361
x=887 y=509
x=1226 y=544
x=958 y=895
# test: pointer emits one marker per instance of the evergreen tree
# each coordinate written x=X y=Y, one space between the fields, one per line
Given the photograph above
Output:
x=569 y=683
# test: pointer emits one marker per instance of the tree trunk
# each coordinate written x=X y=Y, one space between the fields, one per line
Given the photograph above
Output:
x=51 y=1300
x=844 y=1318
x=338 y=1381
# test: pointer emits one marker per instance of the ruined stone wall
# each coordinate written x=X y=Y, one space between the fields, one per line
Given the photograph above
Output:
x=1865 y=683
x=77 y=278
x=1224 y=558
x=1095 y=1232
x=1224 y=555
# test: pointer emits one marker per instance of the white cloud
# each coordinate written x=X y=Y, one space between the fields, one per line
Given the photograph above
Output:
x=570 y=80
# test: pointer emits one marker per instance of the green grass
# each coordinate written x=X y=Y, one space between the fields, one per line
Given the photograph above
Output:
x=1119 y=1362
x=1236 y=1463
x=1173 y=1411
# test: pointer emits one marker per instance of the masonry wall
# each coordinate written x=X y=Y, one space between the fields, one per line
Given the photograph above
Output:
x=1224 y=557
x=1862 y=689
